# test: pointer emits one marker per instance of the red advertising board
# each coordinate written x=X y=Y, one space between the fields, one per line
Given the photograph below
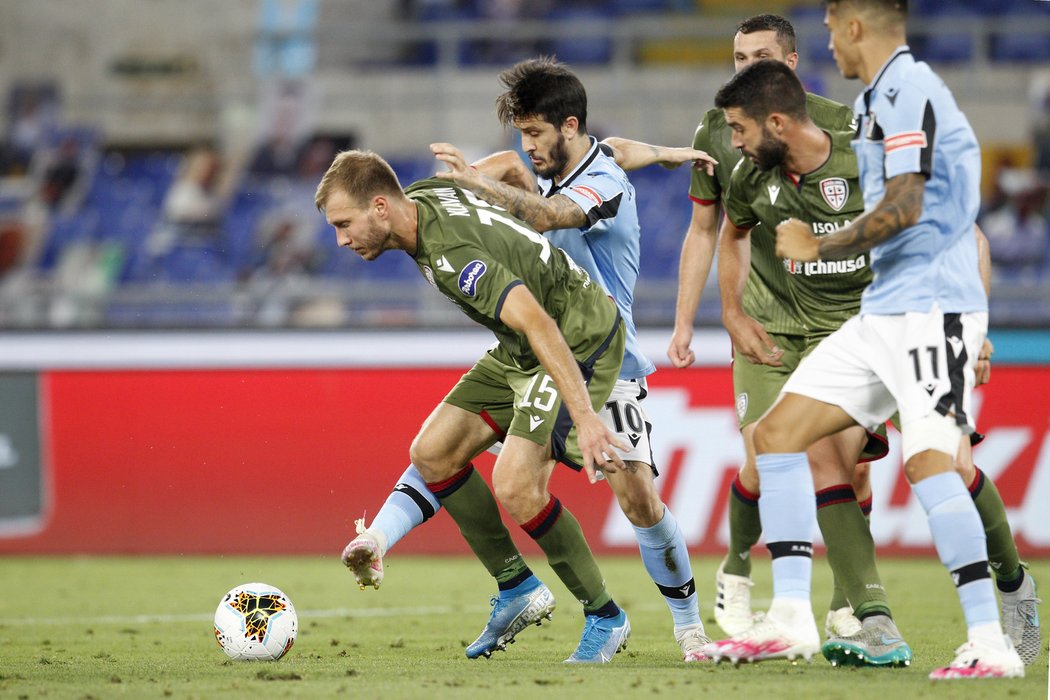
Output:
x=283 y=460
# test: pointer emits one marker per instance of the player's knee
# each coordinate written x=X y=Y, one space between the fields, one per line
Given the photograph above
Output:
x=861 y=480
x=771 y=435
x=930 y=432
x=428 y=460
x=641 y=503
x=521 y=498
x=966 y=469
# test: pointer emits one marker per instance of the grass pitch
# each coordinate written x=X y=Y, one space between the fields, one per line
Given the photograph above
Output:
x=104 y=627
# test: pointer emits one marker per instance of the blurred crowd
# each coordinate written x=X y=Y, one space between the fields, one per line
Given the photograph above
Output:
x=221 y=234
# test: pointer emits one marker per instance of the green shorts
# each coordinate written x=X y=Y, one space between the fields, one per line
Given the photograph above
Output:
x=526 y=403
x=756 y=387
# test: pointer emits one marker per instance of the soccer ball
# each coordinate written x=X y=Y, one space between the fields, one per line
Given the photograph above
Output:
x=255 y=622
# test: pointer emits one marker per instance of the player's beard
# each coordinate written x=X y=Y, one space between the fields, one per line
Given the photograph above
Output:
x=770 y=153
x=558 y=159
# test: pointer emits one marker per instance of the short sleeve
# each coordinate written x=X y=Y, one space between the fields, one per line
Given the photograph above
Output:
x=703 y=188
x=598 y=194
x=475 y=279
x=909 y=127
x=737 y=202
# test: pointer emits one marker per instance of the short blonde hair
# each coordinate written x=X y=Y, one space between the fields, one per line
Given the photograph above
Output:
x=361 y=174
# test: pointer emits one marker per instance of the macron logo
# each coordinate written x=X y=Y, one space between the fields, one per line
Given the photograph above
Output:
x=468 y=278
x=534 y=422
x=443 y=265
x=774 y=191
x=957 y=345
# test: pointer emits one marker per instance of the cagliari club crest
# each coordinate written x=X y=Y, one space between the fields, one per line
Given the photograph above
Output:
x=835 y=191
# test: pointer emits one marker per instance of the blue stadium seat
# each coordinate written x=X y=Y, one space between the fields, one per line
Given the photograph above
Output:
x=579 y=50
x=633 y=7
x=943 y=48
x=1020 y=48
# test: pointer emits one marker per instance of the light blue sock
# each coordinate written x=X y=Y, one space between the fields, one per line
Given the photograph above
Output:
x=408 y=506
x=788 y=509
x=961 y=544
x=667 y=560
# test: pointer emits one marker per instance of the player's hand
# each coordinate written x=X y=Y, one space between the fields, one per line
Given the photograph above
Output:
x=458 y=167
x=795 y=241
x=751 y=340
x=599 y=447
x=674 y=157
x=679 y=352
x=983 y=369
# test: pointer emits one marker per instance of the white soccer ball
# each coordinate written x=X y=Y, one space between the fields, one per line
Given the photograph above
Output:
x=255 y=622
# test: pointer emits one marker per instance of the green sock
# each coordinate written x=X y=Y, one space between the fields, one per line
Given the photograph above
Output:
x=559 y=535
x=1002 y=551
x=745 y=527
x=851 y=550
x=470 y=502
x=838 y=596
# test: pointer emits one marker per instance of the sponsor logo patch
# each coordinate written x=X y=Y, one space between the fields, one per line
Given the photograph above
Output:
x=835 y=191
x=741 y=405
x=469 y=276
x=589 y=193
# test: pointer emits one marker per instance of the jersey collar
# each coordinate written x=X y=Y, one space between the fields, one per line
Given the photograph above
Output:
x=584 y=163
x=902 y=50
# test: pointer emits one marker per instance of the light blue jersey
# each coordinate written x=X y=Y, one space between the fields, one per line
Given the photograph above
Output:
x=909 y=123
x=608 y=246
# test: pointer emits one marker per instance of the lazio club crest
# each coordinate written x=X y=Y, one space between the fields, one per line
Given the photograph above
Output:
x=835 y=191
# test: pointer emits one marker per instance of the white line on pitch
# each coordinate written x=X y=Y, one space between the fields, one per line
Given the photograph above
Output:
x=307 y=614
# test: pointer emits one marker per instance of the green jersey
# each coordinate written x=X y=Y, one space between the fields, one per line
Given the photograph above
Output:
x=475 y=253
x=824 y=293
x=767 y=296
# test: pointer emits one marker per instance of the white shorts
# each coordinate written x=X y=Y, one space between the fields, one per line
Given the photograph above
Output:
x=623 y=414
x=921 y=364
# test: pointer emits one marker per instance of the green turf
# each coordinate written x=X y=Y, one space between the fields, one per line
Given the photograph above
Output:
x=141 y=627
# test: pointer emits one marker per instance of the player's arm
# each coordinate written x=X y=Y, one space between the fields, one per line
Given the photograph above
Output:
x=984 y=260
x=734 y=264
x=632 y=155
x=899 y=209
x=694 y=266
x=539 y=212
x=521 y=312
x=983 y=368
x=506 y=166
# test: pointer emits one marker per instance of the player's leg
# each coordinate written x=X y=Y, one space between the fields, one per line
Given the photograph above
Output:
x=861 y=632
x=1018 y=600
x=840 y=619
x=407 y=507
x=660 y=539
x=832 y=389
x=520 y=479
x=928 y=363
x=756 y=388
x=788 y=507
x=454 y=434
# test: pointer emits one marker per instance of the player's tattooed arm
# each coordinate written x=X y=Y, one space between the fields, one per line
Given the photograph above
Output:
x=497 y=181
x=900 y=208
x=539 y=212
